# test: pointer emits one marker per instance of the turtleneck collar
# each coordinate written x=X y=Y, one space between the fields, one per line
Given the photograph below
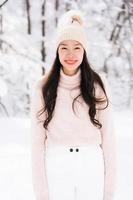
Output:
x=69 y=82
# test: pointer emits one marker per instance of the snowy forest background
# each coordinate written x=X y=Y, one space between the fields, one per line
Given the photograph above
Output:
x=27 y=29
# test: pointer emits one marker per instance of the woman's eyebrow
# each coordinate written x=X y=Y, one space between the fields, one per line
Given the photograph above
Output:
x=68 y=45
x=63 y=44
x=77 y=44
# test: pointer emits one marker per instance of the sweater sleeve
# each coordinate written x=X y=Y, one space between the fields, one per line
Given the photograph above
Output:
x=108 y=146
x=38 y=137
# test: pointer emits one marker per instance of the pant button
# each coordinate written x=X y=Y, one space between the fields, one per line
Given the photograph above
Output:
x=77 y=150
x=71 y=150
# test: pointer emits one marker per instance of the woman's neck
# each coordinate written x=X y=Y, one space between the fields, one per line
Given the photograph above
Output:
x=68 y=72
x=69 y=81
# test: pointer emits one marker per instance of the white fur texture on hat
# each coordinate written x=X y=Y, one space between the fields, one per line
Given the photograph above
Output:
x=71 y=27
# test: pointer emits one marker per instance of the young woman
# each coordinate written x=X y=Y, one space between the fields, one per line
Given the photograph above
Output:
x=73 y=138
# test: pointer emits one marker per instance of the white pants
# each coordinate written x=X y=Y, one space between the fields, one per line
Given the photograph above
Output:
x=75 y=174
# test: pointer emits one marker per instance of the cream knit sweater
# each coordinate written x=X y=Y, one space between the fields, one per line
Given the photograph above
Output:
x=67 y=129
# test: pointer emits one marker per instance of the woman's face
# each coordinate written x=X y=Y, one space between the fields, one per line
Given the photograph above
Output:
x=70 y=55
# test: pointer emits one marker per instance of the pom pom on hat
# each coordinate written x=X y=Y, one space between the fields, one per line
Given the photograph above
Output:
x=70 y=17
x=76 y=18
x=71 y=27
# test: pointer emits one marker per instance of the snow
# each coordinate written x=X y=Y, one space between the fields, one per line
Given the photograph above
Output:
x=15 y=169
x=15 y=163
x=21 y=66
x=3 y=90
x=21 y=59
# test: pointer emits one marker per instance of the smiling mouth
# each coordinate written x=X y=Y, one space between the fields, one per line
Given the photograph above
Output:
x=70 y=62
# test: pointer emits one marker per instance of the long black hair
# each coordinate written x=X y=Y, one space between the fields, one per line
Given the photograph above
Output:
x=87 y=90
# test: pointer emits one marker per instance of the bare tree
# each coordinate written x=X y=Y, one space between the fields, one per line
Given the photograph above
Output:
x=56 y=11
x=27 y=3
x=120 y=20
x=43 y=50
x=125 y=15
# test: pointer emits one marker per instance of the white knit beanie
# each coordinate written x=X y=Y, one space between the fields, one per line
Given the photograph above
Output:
x=71 y=27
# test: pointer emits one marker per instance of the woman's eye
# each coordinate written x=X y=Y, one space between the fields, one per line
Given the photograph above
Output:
x=63 y=48
x=77 y=48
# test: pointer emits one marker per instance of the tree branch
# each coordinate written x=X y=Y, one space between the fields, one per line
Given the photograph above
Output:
x=3 y=3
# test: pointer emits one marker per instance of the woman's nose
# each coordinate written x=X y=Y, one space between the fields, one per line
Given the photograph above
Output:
x=71 y=54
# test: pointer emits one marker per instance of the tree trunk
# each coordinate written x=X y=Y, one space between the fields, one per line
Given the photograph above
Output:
x=56 y=11
x=43 y=50
x=28 y=16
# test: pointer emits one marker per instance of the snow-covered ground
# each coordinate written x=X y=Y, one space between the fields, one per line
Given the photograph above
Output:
x=15 y=166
